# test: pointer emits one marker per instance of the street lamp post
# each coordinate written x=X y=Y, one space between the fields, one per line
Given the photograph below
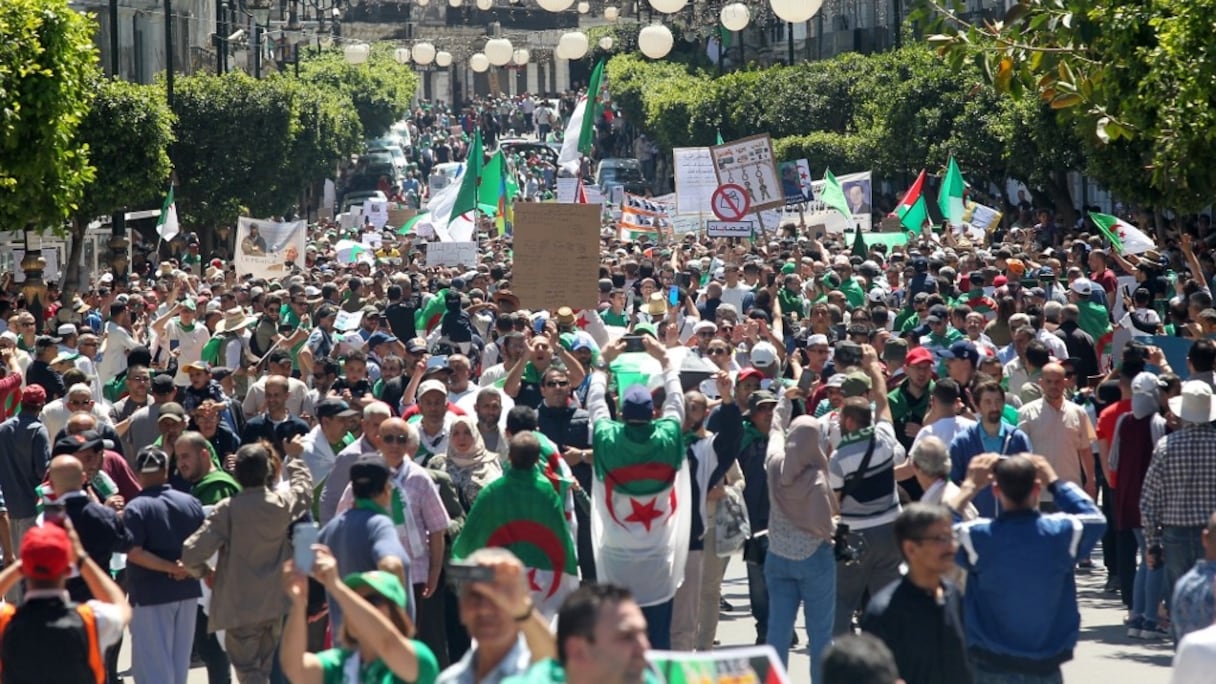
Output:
x=260 y=9
x=113 y=38
x=169 y=51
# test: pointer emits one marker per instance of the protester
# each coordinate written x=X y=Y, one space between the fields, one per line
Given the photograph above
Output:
x=1023 y=553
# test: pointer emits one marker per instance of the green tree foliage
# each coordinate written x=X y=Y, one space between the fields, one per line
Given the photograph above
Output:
x=381 y=89
x=894 y=113
x=1138 y=78
x=48 y=65
x=234 y=135
x=128 y=131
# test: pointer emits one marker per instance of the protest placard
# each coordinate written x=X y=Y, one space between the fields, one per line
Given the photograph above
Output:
x=729 y=229
x=695 y=179
x=751 y=665
x=372 y=240
x=796 y=181
x=557 y=255
x=567 y=188
x=267 y=249
x=377 y=211
x=451 y=254
x=750 y=163
x=982 y=217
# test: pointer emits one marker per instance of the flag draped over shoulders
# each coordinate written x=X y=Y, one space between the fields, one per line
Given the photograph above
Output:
x=522 y=512
x=642 y=514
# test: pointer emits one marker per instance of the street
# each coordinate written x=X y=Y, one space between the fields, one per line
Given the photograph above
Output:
x=1104 y=655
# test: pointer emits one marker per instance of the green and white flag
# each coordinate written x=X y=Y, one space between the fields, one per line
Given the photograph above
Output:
x=1124 y=237
x=166 y=226
x=950 y=196
x=521 y=512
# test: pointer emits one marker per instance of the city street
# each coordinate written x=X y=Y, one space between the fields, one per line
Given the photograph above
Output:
x=1105 y=655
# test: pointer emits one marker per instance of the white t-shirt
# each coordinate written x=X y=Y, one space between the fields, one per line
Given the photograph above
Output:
x=1196 y=657
x=114 y=350
x=944 y=429
x=735 y=296
x=189 y=345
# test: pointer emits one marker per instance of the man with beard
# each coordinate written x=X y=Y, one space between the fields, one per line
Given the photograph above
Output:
x=488 y=408
x=991 y=435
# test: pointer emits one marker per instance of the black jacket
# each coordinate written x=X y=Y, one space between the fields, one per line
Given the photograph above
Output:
x=260 y=427
x=102 y=534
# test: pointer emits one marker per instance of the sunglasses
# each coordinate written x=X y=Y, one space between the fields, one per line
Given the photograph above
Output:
x=395 y=439
x=557 y=383
x=717 y=352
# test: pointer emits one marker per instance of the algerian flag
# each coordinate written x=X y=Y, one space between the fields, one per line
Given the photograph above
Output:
x=426 y=318
x=408 y=227
x=912 y=211
x=466 y=197
x=833 y=195
x=950 y=196
x=349 y=251
x=1124 y=237
x=641 y=507
x=580 y=129
x=167 y=226
x=522 y=513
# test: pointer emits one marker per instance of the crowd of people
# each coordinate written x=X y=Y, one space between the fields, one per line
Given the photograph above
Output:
x=905 y=442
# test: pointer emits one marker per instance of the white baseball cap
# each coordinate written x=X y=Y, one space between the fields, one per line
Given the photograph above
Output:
x=763 y=355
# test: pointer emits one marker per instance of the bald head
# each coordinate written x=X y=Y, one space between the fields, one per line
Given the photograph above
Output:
x=81 y=422
x=66 y=473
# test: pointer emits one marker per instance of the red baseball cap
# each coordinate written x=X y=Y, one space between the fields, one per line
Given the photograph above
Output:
x=33 y=395
x=749 y=373
x=46 y=553
x=918 y=355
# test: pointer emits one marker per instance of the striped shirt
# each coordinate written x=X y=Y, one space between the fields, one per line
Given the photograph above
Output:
x=875 y=498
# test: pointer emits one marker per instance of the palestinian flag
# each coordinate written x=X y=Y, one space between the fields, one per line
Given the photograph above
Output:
x=641 y=507
x=1123 y=236
x=521 y=512
x=426 y=318
x=912 y=211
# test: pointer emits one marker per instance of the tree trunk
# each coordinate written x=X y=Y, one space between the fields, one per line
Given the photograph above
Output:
x=1057 y=190
x=71 y=275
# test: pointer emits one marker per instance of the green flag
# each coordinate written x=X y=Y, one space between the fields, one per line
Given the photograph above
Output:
x=859 y=246
x=833 y=195
x=912 y=211
x=466 y=199
x=718 y=138
x=586 y=134
x=950 y=196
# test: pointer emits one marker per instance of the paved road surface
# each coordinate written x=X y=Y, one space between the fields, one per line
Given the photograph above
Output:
x=1105 y=654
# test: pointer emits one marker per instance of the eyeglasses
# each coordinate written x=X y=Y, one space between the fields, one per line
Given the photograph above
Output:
x=138 y=379
x=79 y=402
x=557 y=383
x=395 y=439
x=715 y=351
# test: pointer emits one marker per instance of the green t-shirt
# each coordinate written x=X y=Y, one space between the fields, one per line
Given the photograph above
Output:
x=333 y=665
x=548 y=671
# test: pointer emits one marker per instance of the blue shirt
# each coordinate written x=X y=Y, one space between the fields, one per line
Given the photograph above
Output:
x=359 y=539
x=1193 y=607
x=160 y=519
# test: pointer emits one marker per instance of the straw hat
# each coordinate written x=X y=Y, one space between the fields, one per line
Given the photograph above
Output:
x=235 y=319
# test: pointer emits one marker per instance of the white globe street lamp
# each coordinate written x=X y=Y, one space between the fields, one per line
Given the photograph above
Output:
x=423 y=3
x=443 y=59
x=499 y=51
x=606 y=43
x=424 y=53
x=735 y=16
x=402 y=55
x=555 y=5
x=484 y=5
x=574 y=44
x=521 y=56
x=655 y=41
x=611 y=13
x=796 y=11
x=357 y=53
x=455 y=3
x=584 y=7
x=668 y=6
x=479 y=62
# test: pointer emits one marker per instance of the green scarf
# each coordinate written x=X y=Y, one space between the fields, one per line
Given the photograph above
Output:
x=751 y=435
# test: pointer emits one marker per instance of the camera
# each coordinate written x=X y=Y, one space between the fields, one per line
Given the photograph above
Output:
x=844 y=551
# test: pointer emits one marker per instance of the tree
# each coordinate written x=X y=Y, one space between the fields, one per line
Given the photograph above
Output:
x=48 y=65
x=127 y=131
x=380 y=89
x=1138 y=77
x=234 y=137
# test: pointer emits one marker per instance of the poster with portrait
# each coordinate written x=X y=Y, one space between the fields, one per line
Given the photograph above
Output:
x=267 y=249
x=796 y=181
